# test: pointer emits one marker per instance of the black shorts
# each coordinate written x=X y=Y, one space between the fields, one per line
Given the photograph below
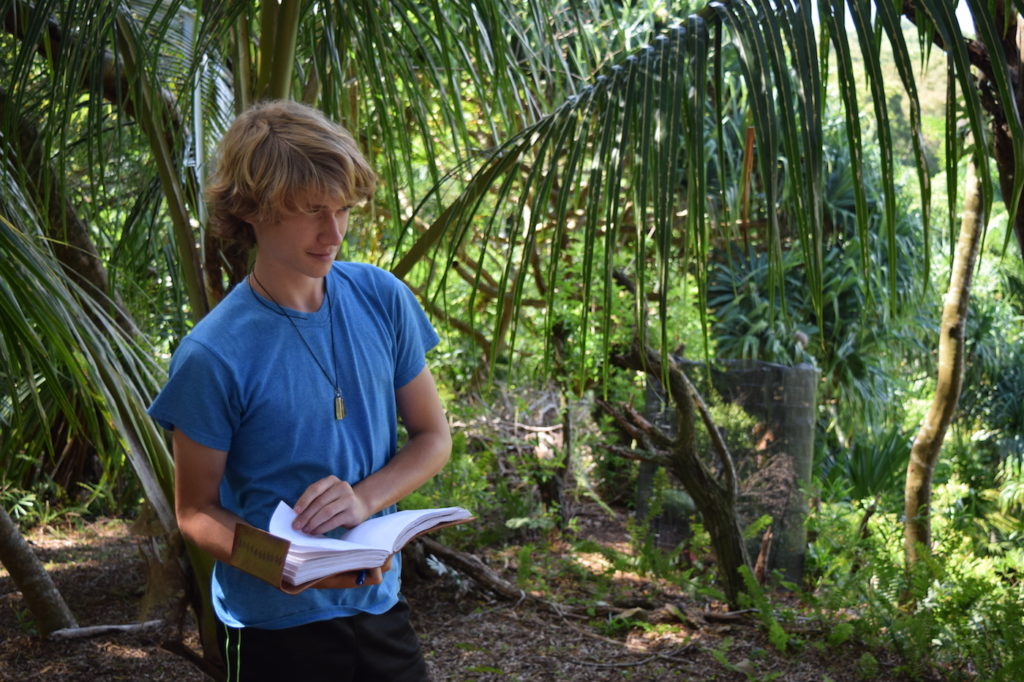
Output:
x=362 y=647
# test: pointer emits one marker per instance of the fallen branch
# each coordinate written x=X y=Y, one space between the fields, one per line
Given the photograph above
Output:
x=94 y=630
x=474 y=568
x=727 y=617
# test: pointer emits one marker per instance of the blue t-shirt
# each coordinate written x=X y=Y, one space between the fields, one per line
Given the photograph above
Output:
x=243 y=382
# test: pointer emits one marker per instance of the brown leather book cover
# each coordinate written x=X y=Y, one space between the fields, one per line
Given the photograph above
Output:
x=261 y=554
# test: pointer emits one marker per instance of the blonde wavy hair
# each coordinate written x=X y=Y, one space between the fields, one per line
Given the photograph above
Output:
x=275 y=155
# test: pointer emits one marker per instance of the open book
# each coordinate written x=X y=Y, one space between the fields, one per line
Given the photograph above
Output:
x=296 y=558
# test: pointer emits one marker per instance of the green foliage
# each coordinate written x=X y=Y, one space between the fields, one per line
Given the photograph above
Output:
x=463 y=482
x=45 y=504
x=872 y=465
x=525 y=567
x=969 y=604
x=498 y=475
x=485 y=670
x=867 y=666
x=987 y=440
x=750 y=322
x=744 y=667
x=538 y=523
x=870 y=333
x=18 y=503
x=759 y=524
x=617 y=627
x=735 y=424
x=26 y=623
x=1011 y=486
x=841 y=632
x=755 y=598
x=859 y=348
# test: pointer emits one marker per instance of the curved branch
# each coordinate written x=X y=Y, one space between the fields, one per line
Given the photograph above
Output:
x=715 y=434
x=976 y=50
x=685 y=395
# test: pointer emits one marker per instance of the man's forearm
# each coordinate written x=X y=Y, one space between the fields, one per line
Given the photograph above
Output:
x=211 y=529
x=413 y=465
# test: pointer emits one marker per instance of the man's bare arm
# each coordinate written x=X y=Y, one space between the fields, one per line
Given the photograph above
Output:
x=197 y=474
x=330 y=502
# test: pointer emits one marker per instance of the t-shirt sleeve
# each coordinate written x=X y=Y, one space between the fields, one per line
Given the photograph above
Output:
x=200 y=397
x=414 y=335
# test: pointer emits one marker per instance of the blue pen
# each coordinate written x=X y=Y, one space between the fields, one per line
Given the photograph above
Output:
x=361 y=578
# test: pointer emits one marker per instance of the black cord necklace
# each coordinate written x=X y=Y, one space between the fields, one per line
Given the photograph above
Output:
x=339 y=402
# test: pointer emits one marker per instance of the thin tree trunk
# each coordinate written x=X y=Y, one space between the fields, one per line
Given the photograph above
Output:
x=925 y=450
x=154 y=119
x=48 y=608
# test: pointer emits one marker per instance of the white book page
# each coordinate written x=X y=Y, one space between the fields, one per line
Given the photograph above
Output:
x=388 y=532
x=281 y=526
x=391 y=531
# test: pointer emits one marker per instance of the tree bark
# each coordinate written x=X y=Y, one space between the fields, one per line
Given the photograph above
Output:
x=715 y=502
x=1002 y=138
x=42 y=597
x=925 y=451
x=1010 y=25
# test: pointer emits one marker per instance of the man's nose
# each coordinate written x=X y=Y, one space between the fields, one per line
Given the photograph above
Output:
x=335 y=226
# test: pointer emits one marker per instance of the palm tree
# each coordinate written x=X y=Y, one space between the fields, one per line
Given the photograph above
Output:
x=104 y=263
x=533 y=153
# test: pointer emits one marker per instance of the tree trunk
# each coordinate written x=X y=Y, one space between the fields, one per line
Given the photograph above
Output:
x=68 y=233
x=42 y=597
x=925 y=450
x=1003 y=152
x=1010 y=26
x=715 y=500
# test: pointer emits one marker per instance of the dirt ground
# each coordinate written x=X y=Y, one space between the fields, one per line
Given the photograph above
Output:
x=101 y=572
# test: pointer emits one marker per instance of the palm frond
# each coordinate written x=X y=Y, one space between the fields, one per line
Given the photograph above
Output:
x=638 y=137
x=56 y=336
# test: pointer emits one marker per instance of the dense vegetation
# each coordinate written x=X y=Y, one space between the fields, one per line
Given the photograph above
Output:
x=561 y=183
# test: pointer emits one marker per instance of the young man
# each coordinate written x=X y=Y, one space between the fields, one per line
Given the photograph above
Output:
x=291 y=389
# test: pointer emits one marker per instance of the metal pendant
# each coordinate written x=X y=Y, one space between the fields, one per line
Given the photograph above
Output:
x=339 y=408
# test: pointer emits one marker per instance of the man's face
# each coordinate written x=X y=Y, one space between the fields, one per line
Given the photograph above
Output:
x=306 y=241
